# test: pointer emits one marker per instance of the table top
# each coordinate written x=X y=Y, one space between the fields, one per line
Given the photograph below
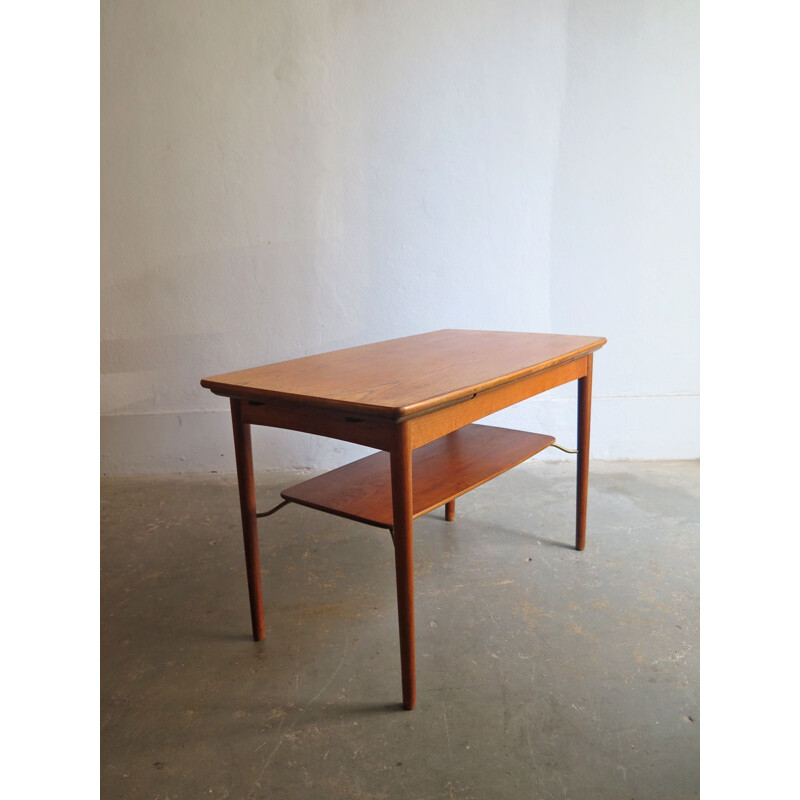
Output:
x=405 y=376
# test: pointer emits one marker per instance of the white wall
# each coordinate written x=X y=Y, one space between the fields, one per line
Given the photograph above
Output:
x=286 y=178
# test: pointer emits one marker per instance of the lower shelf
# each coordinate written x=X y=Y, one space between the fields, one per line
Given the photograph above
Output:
x=442 y=470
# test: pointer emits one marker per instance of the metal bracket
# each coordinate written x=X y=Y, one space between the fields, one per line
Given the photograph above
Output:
x=273 y=510
x=566 y=450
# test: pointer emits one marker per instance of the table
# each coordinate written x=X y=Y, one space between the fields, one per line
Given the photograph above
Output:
x=416 y=400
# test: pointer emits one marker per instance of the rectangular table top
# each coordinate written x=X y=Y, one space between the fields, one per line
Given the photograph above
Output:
x=405 y=376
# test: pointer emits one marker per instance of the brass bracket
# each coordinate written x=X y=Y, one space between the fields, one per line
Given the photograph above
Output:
x=273 y=510
x=566 y=450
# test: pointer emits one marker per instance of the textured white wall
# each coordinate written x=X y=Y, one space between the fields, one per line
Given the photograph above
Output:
x=285 y=178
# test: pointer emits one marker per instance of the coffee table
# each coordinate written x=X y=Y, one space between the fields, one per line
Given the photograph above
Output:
x=416 y=400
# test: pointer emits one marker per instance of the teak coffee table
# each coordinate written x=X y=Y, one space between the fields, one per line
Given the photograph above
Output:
x=415 y=399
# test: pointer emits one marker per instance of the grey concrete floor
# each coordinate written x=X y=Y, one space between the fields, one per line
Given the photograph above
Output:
x=541 y=672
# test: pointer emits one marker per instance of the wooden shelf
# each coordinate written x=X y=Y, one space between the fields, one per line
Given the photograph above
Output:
x=442 y=470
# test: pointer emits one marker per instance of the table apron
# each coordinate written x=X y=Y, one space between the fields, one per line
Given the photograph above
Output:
x=348 y=427
x=428 y=427
x=382 y=433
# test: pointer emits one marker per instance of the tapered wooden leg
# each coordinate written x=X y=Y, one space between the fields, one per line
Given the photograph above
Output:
x=403 y=508
x=450 y=511
x=584 y=420
x=247 y=503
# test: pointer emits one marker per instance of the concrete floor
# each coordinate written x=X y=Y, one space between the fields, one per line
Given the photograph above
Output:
x=541 y=672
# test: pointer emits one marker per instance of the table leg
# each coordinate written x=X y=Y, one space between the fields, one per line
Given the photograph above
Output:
x=403 y=510
x=247 y=502
x=450 y=511
x=584 y=421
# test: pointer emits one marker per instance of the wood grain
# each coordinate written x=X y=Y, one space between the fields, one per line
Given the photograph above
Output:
x=405 y=376
x=443 y=470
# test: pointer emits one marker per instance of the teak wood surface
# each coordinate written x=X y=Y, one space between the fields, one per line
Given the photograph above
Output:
x=405 y=376
x=362 y=491
x=402 y=396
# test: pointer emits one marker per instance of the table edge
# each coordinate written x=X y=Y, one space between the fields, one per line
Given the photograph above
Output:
x=395 y=413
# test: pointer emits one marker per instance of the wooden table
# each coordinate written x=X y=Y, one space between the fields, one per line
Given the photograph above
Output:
x=414 y=399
